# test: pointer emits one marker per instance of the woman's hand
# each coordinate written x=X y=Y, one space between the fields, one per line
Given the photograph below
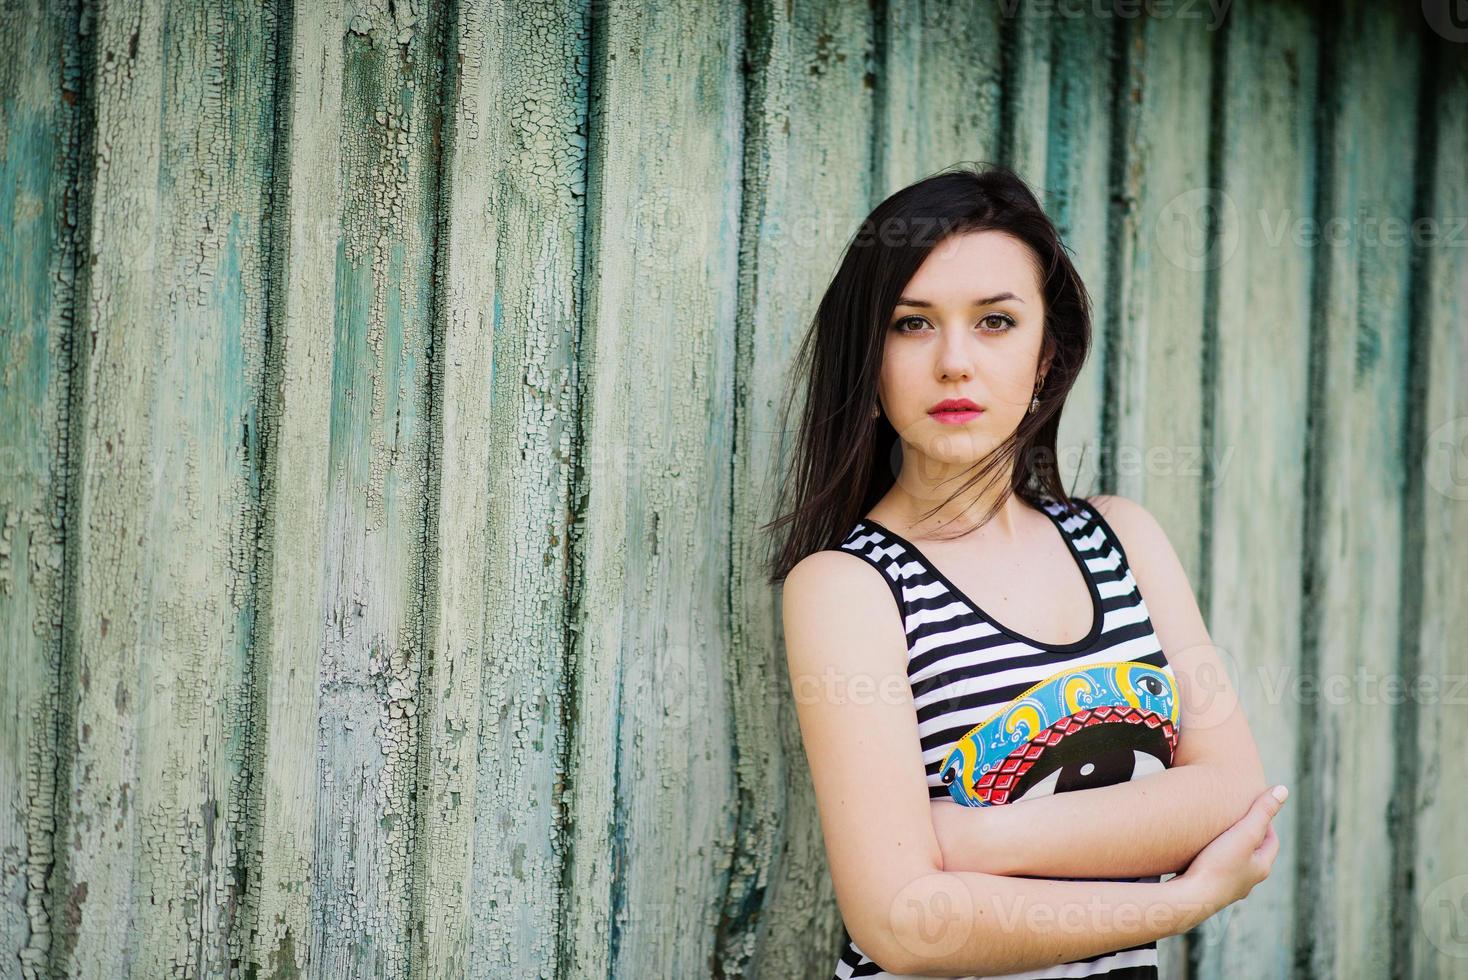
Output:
x=1240 y=857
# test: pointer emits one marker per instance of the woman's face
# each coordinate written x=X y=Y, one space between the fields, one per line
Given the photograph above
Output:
x=969 y=325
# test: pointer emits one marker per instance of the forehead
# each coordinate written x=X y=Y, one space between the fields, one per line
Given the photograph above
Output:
x=980 y=263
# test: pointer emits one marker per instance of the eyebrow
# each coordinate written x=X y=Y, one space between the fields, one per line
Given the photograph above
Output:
x=986 y=301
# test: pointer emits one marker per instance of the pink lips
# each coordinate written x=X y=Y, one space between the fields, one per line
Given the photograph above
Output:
x=955 y=411
x=955 y=418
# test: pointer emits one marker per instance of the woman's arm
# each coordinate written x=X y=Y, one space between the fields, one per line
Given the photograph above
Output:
x=847 y=660
x=959 y=923
x=963 y=923
x=1151 y=825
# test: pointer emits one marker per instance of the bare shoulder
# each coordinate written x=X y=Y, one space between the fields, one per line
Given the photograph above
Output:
x=1142 y=538
x=835 y=589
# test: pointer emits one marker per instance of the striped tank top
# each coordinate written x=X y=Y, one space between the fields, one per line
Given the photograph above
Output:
x=970 y=675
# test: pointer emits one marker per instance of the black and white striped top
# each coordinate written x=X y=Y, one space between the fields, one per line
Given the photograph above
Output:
x=964 y=668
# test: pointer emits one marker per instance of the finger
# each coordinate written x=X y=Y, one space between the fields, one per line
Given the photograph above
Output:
x=1271 y=839
x=1266 y=805
x=1267 y=851
x=1256 y=835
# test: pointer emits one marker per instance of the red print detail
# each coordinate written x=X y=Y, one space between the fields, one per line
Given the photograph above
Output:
x=995 y=786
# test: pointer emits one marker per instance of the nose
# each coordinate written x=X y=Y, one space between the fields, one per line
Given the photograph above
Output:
x=955 y=356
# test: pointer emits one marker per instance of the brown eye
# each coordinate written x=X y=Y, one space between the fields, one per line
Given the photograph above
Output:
x=1005 y=322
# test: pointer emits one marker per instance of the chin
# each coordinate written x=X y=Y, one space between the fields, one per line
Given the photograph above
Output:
x=964 y=446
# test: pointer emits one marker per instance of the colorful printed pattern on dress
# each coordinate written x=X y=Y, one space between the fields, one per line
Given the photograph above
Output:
x=1080 y=728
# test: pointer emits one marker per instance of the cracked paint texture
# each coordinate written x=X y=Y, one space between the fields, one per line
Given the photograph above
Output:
x=388 y=401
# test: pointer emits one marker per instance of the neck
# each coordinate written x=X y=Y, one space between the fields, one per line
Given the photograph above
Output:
x=912 y=497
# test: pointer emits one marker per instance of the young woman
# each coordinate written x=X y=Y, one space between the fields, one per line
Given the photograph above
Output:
x=985 y=642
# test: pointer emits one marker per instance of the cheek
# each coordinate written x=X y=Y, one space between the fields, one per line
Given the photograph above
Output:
x=901 y=385
x=895 y=368
x=1013 y=384
x=1014 y=390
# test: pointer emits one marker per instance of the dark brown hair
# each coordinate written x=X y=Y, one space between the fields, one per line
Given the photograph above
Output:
x=844 y=460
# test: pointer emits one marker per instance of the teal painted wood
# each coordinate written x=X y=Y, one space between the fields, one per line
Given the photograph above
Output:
x=808 y=182
x=41 y=126
x=1257 y=407
x=1354 y=566
x=306 y=203
x=1160 y=353
x=1436 y=848
x=1152 y=418
x=940 y=89
x=651 y=802
x=1028 y=40
x=344 y=643
x=169 y=342
x=388 y=415
x=515 y=186
x=375 y=552
x=1078 y=121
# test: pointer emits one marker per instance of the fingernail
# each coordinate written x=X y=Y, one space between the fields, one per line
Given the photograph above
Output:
x=1280 y=792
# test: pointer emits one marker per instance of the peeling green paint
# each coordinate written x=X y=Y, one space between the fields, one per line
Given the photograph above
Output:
x=386 y=410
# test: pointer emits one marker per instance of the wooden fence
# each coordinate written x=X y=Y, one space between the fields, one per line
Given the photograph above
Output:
x=389 y=398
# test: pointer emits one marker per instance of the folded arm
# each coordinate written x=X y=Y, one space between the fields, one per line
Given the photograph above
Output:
x=958 y=923
x=1148 y=826
x=1153 y=825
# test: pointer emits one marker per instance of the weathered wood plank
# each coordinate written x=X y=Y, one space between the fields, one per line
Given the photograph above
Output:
x=651 y=796
x=170 y=367
x=1433 y=908
x=377 y=490
x=1070 y=171
x=216 y=137
x=289 y=637
x=1355 y=505
x=1160 y=351
x=807 y=185
x=42 y=128
x=455 y=599
x=1027 y=47
x=515 y=175
x=106 y=634
x=1257 y=408
x=1152 y=411
x=940 y=83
